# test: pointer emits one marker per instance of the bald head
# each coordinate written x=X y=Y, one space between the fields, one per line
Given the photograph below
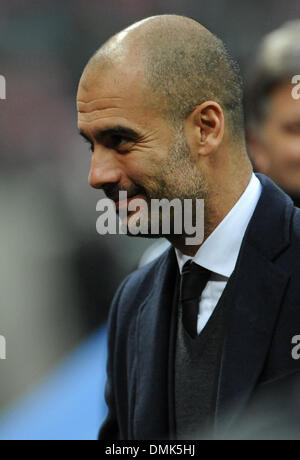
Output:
x=182 y=64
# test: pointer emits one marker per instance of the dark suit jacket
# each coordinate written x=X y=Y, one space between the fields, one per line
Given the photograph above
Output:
x=258 y=374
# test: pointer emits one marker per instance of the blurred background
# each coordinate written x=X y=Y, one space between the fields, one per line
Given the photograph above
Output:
x=57 y=275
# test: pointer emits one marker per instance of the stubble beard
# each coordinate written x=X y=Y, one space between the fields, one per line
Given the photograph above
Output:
x=178 y=177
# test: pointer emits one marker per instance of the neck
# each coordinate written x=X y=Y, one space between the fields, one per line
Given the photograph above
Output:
x=218 y=203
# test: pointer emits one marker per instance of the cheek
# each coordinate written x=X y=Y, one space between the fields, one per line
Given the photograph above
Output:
x=141 y=172
x=145 y=161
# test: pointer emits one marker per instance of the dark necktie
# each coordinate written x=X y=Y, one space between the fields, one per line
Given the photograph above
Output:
x=192 y=283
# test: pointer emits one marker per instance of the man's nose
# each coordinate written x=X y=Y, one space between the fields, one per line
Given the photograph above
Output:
x=104 y=170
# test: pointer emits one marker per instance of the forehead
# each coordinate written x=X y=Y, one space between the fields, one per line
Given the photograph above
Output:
x=110 y=96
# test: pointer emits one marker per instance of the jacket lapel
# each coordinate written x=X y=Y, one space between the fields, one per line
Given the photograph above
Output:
x=151 y=415
x=258 y=290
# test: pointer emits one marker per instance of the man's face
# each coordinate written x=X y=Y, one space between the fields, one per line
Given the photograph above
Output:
x=278 y=140
x=134 y=149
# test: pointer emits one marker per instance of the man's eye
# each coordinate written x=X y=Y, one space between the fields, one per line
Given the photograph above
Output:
x=117 y=142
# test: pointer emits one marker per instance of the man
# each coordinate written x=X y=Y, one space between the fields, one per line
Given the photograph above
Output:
x=192 y=345
x=273 y=108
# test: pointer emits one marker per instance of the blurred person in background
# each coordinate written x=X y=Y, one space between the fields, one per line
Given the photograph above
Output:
x=200 y=340
x=273 y=108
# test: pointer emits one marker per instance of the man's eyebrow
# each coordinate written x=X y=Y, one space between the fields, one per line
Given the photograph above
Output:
x=114 y=131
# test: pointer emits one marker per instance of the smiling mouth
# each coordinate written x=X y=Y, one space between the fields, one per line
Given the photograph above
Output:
x=125 y=203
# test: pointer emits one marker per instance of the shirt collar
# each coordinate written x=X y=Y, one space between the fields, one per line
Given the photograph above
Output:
x=220 y=251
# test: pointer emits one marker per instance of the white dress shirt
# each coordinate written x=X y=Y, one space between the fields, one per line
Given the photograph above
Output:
x=219 y=253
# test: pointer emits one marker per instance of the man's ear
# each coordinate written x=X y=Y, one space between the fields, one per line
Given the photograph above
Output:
x=258 y=154
x=205 y=127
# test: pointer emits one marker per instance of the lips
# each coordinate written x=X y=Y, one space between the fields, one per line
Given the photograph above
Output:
x=125 y=203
